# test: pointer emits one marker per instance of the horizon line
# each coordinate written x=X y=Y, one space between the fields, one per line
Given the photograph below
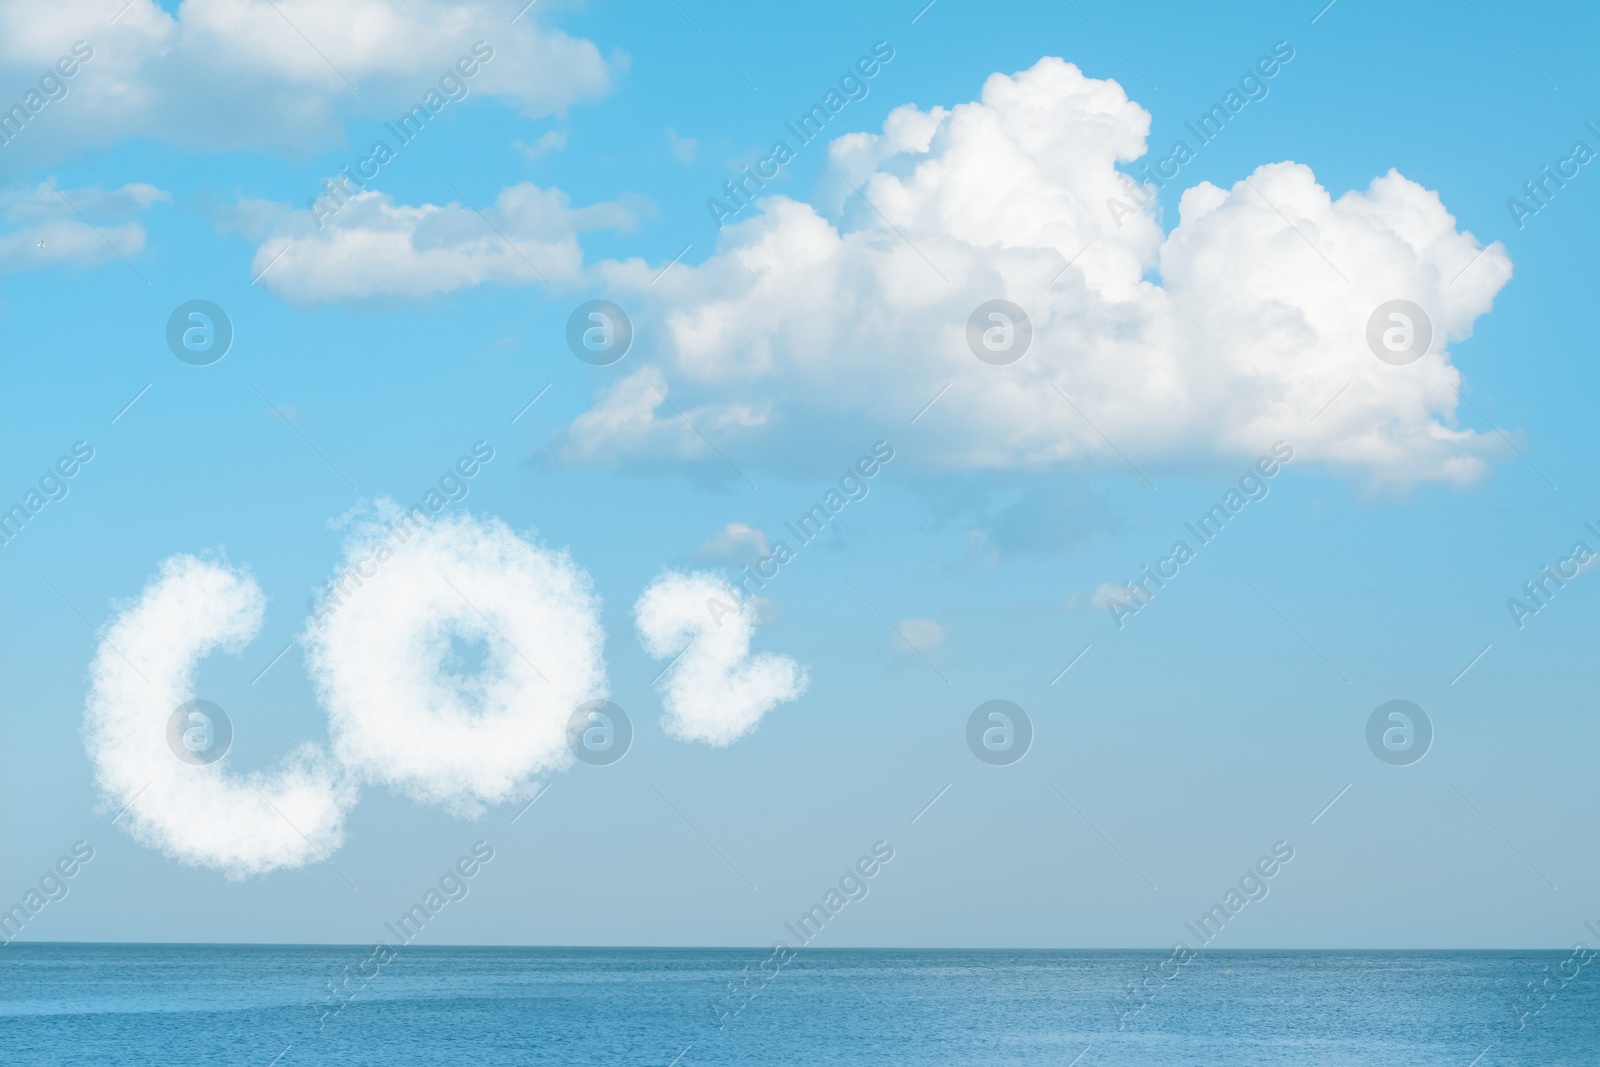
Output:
x=741 y=948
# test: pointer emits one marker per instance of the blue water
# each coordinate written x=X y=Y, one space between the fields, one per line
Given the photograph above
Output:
x=137 y=1005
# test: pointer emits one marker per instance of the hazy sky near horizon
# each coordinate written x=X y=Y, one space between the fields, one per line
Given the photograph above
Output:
x=1206 y=332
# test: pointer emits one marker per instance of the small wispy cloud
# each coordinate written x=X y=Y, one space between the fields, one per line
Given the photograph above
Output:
x=1106 y=593
x=923 y=635
x=684 y=149
x=736 y=540
x=549 y=142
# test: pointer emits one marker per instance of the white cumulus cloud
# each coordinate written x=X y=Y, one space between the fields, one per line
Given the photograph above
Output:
x=1214 y=340
x=405 y=713
x=199 y=814
x=716 y=691
x=275 y=75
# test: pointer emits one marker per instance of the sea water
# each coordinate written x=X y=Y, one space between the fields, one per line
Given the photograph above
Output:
x=261 y=1005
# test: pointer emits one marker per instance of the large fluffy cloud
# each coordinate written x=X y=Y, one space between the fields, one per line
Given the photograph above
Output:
x=200 y=814
x=270 y=74
x=714 y=690
x=1257 y=321
x=404 y=709
x=1244 y=325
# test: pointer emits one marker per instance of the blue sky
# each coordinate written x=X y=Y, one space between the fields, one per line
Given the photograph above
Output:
x=1168 y=354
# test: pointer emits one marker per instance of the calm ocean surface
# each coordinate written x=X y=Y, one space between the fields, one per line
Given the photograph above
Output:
x=136 y=1005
